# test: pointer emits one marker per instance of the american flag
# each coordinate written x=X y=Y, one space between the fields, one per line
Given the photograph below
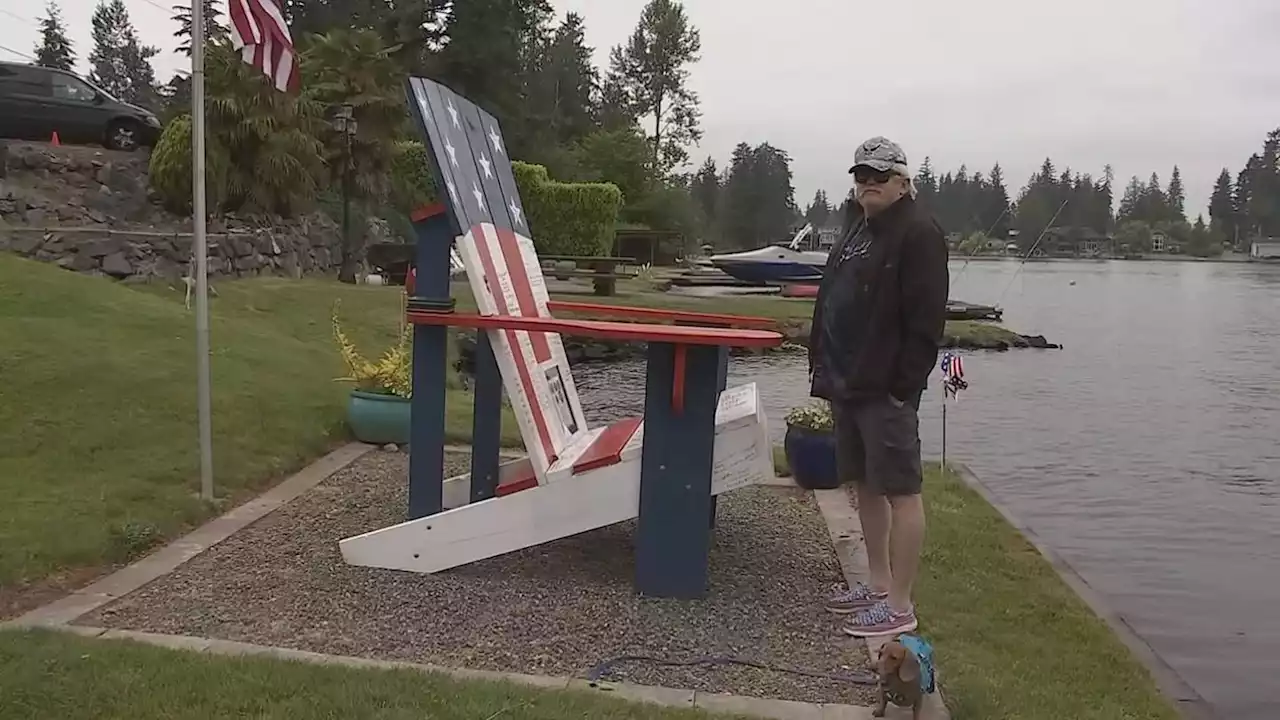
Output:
x=952 y=367
x=474 y=171
x=259 y=32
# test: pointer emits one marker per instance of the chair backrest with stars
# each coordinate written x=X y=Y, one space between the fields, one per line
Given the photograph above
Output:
x=470 y=163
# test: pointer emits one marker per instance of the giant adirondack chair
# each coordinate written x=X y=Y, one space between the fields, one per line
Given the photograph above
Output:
x=696 y=440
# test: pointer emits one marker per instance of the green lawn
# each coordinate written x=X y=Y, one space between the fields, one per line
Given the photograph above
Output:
x=98 y=443
x=1013 y=640
x=52 y=675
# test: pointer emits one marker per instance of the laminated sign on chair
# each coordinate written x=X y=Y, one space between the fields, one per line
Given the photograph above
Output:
x=696 y=440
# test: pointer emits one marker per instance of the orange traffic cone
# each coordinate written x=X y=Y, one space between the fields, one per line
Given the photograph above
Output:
x=54 y=140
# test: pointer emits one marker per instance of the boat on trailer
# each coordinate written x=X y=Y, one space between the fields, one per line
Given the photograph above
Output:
x=776 y=264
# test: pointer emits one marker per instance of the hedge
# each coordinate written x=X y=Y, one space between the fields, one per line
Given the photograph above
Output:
x=567 y=218
x=412 y=185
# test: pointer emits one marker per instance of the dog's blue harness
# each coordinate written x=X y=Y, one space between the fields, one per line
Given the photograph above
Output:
x=923 y=651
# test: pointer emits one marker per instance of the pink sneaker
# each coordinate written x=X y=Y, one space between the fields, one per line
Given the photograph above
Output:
x=880 y=619
x=859 y=597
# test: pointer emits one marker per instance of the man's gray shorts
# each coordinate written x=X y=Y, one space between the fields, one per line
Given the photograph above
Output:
x=878 y=444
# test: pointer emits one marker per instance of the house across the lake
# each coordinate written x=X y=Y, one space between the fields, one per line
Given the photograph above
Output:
x=1080 y=242
x=1265 y=249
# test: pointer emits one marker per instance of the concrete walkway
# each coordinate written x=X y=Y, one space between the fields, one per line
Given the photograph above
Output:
x=836 y=508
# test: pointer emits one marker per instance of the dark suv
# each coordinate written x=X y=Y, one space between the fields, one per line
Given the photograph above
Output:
x=36 y=102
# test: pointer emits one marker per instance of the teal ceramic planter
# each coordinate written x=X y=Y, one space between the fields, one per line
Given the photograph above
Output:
x=378 y=419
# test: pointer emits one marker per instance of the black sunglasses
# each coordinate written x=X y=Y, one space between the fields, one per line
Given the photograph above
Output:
x=867 y=176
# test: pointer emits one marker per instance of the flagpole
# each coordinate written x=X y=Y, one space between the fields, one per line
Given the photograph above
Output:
x=201 y=250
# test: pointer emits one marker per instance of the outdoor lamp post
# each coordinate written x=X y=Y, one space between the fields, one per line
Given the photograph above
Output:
x=345 y=123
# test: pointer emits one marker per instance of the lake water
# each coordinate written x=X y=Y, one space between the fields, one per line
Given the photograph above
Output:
x=1146 y=452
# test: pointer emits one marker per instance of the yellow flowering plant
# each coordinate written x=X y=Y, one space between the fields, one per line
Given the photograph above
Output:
x=815 y=416
x=389 y=374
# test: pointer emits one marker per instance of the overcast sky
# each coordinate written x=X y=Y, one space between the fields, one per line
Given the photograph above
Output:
x=1140 y=84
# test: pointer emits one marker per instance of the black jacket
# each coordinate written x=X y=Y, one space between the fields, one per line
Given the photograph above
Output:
x=900 y=304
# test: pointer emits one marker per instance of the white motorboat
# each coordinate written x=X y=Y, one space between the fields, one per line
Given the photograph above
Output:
x=776 y=264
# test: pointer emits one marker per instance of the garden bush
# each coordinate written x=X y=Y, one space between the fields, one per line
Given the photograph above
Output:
x=567 y=218
x=170 y=170
x=412 y=185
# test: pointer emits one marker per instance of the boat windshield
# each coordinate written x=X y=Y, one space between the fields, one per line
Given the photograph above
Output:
x=800 y=236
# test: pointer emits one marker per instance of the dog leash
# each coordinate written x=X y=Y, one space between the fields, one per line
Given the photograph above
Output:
x=598 y=672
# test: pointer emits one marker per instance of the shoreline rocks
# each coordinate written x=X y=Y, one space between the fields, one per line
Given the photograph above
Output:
x=961 y=335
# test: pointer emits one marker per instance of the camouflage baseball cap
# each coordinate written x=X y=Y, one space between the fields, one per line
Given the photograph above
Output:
x=881 y=154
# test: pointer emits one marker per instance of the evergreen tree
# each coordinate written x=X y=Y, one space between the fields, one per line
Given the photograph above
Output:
x=492 y=48
x=996 y=207
x=577 y=83
x=651 y=72
x=740 y=199
x=616 y=110
x=1222 y=213
x=1241 y=200
x=819 y=210
x=214 y=30
x=926 y=184
x=705 y=189
x=1202 y=241
x=1130 y=201
x=1256 y=200
x=560 y=87
x=620 y=157
x=54 y=50
x=1040 y=205
x=705 y=186
x=759 y=201
x=120 y=64
x=1106 y=199
x=1175 y=196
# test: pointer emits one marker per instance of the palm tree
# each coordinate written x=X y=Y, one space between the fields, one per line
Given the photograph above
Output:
x=354 y=71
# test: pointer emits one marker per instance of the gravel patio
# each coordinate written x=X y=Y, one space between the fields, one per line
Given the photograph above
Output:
x=558 y=609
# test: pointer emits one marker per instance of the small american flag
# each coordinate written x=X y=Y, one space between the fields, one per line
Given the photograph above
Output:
x=259 y=32
x=952 y=367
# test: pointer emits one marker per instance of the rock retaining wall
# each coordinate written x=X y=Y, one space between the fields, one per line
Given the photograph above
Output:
x=136 y=255
x=90 y=210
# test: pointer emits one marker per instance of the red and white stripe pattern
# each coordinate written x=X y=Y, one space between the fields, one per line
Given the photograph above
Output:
x=259 y=32
x=506 y=278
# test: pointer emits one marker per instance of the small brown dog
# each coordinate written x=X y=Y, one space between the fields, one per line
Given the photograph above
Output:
x=899 y=671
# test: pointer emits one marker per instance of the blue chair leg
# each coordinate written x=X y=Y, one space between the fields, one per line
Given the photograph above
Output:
x=486 y=427
x=673 y=536
x=722 y=381
x=426 y=424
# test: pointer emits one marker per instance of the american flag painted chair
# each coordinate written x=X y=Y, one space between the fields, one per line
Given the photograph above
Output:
x=697 y=439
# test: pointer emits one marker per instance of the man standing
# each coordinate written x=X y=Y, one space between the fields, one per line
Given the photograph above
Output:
x=877 y=325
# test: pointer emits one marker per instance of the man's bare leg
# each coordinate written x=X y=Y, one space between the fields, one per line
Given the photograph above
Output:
x=906 y=540
x=874 y=514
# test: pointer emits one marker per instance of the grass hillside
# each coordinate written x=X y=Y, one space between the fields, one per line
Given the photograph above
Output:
x=99 y=454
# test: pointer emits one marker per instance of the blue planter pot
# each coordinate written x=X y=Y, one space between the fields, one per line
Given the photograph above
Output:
x=812 y=458
x=378 y=419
